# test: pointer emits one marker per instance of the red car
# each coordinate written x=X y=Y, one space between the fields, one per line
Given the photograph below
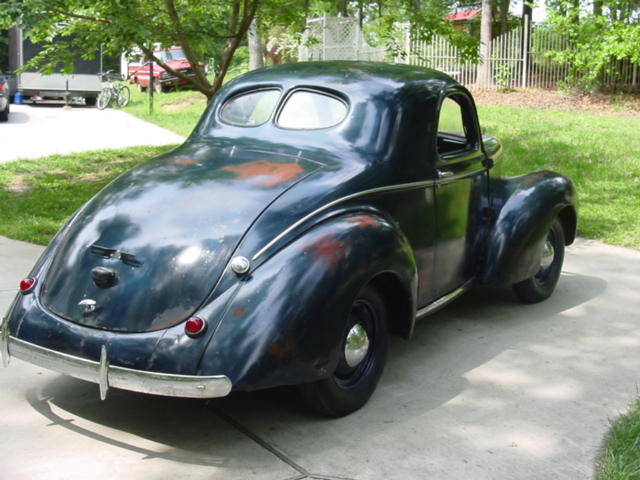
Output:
x=138 y=71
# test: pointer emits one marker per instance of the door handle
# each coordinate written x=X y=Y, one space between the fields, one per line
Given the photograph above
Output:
x=445 y=174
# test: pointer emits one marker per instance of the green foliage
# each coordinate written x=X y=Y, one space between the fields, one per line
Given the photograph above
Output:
x=595 y=38
x=502 y=75
x=206 y=29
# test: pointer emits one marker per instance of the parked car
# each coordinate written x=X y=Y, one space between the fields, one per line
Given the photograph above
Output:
x=317 y=209
x=5 y=98
x=139 y=71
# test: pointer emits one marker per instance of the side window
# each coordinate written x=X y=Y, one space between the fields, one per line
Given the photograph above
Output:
x=455 y=127
x=250 y=109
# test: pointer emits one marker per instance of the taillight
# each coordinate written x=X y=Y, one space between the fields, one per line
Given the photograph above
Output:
x=27 y=284
x=195 y=327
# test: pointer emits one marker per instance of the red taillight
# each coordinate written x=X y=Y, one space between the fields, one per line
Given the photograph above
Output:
x=27 y=284
x=195 y=326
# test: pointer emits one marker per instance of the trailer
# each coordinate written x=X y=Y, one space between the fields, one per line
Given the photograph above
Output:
x=83 y=82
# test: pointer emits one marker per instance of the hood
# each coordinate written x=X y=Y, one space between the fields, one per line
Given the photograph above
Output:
x=176 y=65
x=148 y=249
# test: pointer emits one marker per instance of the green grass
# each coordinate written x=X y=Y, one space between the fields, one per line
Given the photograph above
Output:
x=177 y=111
x=620 y=457
x=38 y=196
x=601 y=154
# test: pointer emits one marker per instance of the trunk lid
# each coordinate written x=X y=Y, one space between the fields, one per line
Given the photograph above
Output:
x=147 y=250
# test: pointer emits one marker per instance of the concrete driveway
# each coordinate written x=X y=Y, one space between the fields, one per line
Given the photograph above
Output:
x=38 y=130
x=487 y=389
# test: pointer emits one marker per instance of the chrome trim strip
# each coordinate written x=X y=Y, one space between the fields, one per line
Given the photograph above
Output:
x=452 y=178
x=444 y=300
x=402 y=186
x=190 y=386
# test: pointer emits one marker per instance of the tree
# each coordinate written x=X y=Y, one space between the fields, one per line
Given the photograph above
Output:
x=484 y=72
x=598 y=33
x=256 y=59
x=204 y=29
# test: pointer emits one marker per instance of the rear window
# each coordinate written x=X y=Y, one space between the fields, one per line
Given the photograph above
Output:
x=250 y=109
x=304 y=110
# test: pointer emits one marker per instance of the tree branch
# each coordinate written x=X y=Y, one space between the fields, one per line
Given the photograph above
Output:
x=202 y=88
x=184 y=43
x=81 y=17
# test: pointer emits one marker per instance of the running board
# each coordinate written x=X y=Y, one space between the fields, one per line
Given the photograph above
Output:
x=444 y=300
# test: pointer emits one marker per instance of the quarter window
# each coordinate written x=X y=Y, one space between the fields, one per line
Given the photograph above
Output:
x=250 y=109
x=305 y=110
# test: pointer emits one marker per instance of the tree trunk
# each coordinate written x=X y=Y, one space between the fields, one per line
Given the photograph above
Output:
x=597 y=8
x=504 y=15
x=255 y=47
x=484 y=69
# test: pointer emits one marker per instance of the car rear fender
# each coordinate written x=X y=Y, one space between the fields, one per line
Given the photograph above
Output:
x=286 y=322
x=524 y=208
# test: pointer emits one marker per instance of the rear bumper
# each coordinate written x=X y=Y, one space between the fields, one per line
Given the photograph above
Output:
x=105 y=375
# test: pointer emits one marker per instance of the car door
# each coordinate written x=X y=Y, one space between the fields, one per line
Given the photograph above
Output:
x=460 y=181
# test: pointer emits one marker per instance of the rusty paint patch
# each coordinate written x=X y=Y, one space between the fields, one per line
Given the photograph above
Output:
x=329 y=250
x=238 y=312
x=282 y=350
x=182 y=161
x=267 y=174
x=363 y=221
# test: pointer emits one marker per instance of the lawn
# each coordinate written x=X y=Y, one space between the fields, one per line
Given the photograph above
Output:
x=620 y=457
x=37 y=196
x=600 y=153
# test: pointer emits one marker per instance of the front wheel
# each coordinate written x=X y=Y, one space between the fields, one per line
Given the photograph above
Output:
x=104 y=99
x=363 y=354
x=123 y=97
x=540 y=286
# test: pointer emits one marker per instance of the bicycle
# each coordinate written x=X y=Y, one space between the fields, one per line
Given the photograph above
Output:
x=113 y=91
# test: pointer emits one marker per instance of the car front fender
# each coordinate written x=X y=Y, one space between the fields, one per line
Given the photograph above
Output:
x=286 y=323
x=524 y=208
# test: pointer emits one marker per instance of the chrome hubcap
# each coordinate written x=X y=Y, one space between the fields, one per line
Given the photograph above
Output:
x=547 y=255
x=356 y=346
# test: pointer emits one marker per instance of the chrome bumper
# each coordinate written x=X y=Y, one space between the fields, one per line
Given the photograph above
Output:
x=105 y=375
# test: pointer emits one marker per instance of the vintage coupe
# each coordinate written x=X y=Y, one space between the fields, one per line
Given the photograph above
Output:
x=316 y=209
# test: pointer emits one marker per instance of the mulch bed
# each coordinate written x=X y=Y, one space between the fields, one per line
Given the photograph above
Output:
x=624 y=105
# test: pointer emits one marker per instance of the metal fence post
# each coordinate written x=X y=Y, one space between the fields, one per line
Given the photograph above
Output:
x=525 y=51
x=324 y=36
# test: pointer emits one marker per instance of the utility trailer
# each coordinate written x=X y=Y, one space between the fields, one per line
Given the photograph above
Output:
x=83 y=82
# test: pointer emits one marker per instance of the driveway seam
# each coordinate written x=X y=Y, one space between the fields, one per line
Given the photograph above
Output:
x=263 y=443
x=275 y=451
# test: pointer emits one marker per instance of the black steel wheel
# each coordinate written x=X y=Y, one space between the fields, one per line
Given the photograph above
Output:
x=540 y=286
x=363 y=354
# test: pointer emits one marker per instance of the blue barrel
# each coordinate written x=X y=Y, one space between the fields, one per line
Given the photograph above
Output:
x=17 y=98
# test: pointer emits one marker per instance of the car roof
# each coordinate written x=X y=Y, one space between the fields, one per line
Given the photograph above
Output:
x=347 y=76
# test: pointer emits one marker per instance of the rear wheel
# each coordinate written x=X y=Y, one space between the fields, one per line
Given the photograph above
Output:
x=104 y=99
x=123 y=97
x=90 y=101
x=540 y=286
x=363 y=354
x=4 y=115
